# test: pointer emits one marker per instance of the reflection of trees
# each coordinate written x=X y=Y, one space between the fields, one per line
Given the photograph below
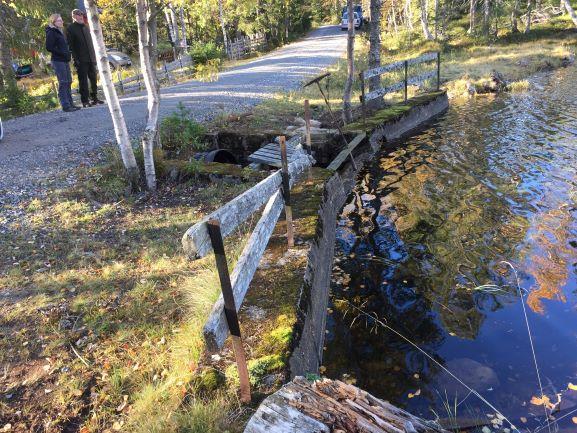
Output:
x=549 y=256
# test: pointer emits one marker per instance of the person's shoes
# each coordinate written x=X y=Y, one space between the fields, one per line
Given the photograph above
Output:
x=97 y=101
x=69 y=109
x=75 y=107
x=86 y=104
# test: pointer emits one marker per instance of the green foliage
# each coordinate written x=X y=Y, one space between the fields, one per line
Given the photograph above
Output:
x=18 y=102
x=180 y=133
x=202 y=52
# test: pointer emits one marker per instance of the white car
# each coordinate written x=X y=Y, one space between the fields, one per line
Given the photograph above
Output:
x=345 y=21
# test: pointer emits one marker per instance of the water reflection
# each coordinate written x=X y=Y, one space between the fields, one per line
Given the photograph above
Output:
x=425 y=241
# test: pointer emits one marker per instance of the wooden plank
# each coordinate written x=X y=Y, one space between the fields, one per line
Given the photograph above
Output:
x=384 y=90
x=427 y=57
x=216 y=330
x=338 y=161
x=382 y=69
x=196 y=242
x=419 y=79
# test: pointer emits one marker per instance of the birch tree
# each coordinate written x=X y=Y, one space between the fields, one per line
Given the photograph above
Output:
x=7 y=78
x=486 y=17
x=529 y=11
x=223 y=26
x=347 y=108
x=408 y=15
x=375 y=46
x=570 y=10
x=472 y=10
x=515 y=16
x=145 y=20
x=120 y=130
x=425 y=20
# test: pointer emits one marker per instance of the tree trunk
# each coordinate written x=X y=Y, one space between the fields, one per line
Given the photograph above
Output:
x=472 y=10
x=223 y=26
x=425 y=20
x=436 y=19
x=375 y=46
x=529 y=10
x=570 y=10
x=7 y=78
x=120 y=130
x=183 y=28
x=174 y=21
x=486 y=17
x=514 y=17
x=153 y=32
x=347 y=108
x=408 y=15
x=153 y=96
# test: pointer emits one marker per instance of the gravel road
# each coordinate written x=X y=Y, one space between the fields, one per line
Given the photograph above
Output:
x=38 y=147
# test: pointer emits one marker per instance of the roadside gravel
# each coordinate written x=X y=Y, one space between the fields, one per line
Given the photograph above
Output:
x=39 y=150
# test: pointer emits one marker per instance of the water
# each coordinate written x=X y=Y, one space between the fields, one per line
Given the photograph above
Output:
x=433 y=241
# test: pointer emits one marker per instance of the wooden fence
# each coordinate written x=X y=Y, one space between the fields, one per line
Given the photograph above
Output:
x=246 y=45
x=206 y=236
x=408 y=80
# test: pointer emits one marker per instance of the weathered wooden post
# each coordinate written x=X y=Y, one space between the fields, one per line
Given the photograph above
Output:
x=406 y=78
x=138 y=78
x=308 y=127
x=363 y=103
x=438 y=70
x=166 y=71
x=119 y=77
x=213 y=226
x=286 y=191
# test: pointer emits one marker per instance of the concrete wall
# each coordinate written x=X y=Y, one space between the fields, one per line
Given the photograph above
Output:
x=312 y=309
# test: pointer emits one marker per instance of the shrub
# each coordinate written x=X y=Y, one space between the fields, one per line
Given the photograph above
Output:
x=179 y=133
x=202 y=52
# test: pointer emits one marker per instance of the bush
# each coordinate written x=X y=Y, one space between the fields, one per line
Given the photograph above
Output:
x=179 y=133
x=202 y=52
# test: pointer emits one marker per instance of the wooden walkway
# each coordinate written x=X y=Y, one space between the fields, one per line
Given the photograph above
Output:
x=331 y=406
x=269 y=154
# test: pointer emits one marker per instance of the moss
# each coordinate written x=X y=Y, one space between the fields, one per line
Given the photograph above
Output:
x=265 y=365
x=392 y=113
x=208 y=381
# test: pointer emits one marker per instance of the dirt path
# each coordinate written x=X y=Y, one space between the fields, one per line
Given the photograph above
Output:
x=37 y=147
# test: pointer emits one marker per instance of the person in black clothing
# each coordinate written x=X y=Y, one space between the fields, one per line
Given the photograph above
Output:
x=56 y=44
x=84 y=58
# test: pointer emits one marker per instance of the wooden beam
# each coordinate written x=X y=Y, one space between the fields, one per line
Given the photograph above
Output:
x=196 y=242
x=418 y=79
x=338 y=161
x=384 y=90
x=216 y=330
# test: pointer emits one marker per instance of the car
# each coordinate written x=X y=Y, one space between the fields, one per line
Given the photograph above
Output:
x=345 y=21
x=118 y=59
x=357 y=9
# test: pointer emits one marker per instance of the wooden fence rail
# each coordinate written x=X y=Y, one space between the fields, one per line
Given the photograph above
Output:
x=198 y=241
x=407 y=81
x=245 y=45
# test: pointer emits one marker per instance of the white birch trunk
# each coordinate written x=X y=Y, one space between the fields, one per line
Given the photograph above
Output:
x=375 y=45
x=515 y=16
x=153 y=95
x=486 y=16
x=570 y=10
x=120 y=130
x=347 y=108
x=529 y=11
x=472 y=11
x=436 y=19
x=174 y=21
x=425 y=20
x=223 y=27
x=408 y=15
x=183 y=28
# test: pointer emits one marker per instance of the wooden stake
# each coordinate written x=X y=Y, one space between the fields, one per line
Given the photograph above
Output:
x=364 y=108
x=119 y=76
x=286 y=193
x=308 y=126
x=406 y=78
x=230 y=308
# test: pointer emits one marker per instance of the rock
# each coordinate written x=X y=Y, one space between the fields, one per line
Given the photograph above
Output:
x=499 y=83
x=471 y=90
x=569 y=60
x=473 y=373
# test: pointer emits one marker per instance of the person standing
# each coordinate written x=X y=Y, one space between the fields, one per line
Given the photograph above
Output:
x=57 y=46
x=84 y=58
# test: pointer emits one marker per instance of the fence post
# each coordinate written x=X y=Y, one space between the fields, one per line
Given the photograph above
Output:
x=406 y=78
x=308 y=126
x=138 y=78
x=166 y=71
x=230 y=308
x=119 y=77
x=286 y=193
x=363 y=105
x=438 y=70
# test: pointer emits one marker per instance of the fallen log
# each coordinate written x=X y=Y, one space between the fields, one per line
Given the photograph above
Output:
x=332 y=406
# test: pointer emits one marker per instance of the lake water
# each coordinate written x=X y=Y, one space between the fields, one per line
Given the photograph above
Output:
x=437 y=240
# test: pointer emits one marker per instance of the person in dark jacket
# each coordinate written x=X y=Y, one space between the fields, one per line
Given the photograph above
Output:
x=84 y=58
x=57 y=46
